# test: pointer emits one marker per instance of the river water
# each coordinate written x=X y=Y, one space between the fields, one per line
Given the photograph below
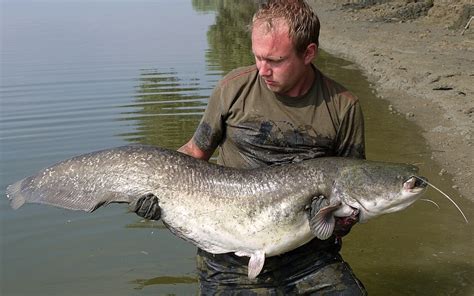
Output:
x=80 y=76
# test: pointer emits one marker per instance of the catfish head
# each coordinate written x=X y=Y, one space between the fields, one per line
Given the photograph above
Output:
x=368 y=189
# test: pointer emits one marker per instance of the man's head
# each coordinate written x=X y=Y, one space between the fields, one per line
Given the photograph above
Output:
x=284 y=42
x=303 y=24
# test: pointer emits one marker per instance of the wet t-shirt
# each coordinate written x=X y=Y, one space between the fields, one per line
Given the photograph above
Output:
x=252 y=126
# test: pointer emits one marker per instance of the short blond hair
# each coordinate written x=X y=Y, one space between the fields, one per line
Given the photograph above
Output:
x=302 y=21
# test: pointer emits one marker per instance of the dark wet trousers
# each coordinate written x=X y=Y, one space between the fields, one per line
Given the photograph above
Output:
x=316 y=268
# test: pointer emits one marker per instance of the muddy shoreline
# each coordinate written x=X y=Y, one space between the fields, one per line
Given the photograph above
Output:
x=422 y=66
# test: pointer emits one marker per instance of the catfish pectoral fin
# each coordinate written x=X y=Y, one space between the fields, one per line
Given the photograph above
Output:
x=256 y=262
x=322 y=224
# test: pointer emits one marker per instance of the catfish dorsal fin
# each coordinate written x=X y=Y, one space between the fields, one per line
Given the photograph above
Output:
x=322 y=224
x=257 y=259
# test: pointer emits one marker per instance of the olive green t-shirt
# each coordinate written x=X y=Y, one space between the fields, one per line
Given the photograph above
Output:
x=253 y=126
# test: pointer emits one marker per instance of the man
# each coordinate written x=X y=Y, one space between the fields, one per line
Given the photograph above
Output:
x=278 y=111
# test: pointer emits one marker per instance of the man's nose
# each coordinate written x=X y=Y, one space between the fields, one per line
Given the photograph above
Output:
x=264 y=69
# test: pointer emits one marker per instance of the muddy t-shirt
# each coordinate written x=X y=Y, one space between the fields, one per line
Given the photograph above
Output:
x=253 y=126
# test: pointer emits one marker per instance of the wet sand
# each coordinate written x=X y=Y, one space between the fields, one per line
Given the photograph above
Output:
x=424 y=67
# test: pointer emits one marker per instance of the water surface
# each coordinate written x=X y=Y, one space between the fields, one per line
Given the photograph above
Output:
x=80 y=76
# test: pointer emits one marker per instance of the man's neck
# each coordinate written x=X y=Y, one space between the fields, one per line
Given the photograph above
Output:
x=307 y=82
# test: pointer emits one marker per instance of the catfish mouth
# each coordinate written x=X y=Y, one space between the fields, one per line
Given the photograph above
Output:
x=414 y=184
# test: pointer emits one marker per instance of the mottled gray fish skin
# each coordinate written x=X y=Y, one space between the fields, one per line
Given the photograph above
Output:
x=257 y=213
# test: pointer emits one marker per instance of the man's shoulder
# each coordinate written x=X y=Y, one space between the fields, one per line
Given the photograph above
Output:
x=336 y=89
x=240 y=75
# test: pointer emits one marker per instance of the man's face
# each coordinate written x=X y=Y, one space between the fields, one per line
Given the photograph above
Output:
x=278 y=63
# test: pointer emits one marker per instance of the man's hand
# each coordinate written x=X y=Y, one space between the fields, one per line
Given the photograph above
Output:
x=147 y=207
x=344 y=225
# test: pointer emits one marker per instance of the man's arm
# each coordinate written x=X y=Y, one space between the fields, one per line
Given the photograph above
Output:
x=191 y=149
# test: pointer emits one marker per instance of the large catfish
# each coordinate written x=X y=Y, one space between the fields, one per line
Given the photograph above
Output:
x=255 y=213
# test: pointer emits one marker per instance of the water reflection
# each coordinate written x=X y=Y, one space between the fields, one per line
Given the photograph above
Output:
x=167 y=106
x=164 y=280
x=229 y=36
x=147 y=224
x=205 y=6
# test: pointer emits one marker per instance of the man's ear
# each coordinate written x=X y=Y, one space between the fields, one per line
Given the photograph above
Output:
x=310 y=53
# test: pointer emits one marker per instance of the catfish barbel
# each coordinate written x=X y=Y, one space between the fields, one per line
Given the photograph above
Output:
x=257 y=213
